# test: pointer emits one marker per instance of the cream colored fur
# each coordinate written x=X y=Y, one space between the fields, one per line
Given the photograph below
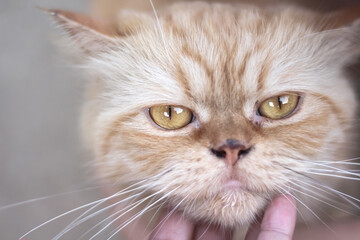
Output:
x=221 y=61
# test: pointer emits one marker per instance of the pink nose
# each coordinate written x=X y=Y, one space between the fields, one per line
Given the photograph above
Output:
x=231 y=151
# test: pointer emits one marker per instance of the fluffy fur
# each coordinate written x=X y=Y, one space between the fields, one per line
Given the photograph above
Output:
x=221 y=61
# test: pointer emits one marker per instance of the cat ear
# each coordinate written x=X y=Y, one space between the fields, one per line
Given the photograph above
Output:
x=343 y=35
x=92 y=36
x=345 y=17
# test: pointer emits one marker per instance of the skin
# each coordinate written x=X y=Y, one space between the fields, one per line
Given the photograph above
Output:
x=278 y=223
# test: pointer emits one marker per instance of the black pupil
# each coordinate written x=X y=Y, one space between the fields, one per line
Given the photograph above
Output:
x=280 y=102
x=169 y=111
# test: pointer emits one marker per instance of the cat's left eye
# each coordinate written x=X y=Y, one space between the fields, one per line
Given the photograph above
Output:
x=171 y=117
x=279 y=107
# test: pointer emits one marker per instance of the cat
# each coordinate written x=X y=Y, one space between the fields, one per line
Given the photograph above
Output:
x=215 y=108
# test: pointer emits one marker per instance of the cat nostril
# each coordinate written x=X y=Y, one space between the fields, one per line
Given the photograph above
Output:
x=222 y=153
x=231 y=152
x=219 y=153
x=243 y=152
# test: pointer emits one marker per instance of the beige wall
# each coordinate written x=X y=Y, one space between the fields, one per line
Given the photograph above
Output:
x=40 y=97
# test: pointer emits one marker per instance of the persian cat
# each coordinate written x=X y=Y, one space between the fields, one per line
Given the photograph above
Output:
x=215 y=108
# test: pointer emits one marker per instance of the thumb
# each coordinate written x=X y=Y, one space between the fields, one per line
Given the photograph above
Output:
x=279 y=219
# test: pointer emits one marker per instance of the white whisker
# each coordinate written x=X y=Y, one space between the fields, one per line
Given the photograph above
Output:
x=162 y=222
x=136 y=217
x=152 y=218
x=343 y=195
x=333 y=171
x=334 y=168
x=333 y=175
x=77 y=209
x=141 y=212
x=138 y=203
x=343 y=161
x=310 y=210
x=205 y=231
x=337 y=193
x=46 y=198
x=320 y=200
x=60 y=216
x=76 y=222
x=160 y=29
x=79 y=221
x=306 y=188
x=294 y=205
x=110 y=217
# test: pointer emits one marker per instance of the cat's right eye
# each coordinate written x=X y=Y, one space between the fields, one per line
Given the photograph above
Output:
x=279 y=107
x=171 y=117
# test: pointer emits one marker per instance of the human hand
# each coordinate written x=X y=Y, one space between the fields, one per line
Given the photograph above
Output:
x=278 y=223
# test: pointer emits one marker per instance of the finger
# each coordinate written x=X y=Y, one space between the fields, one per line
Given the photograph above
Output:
x=173 y=226
x=279 y=219
x=254 y=230
x=212 y=232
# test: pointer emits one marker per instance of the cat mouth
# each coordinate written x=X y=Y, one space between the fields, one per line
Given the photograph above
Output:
x=233 y=185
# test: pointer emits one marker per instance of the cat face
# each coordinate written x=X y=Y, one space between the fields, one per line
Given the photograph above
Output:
x=226 y=67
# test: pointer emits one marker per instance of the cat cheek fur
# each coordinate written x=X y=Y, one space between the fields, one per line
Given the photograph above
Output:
x=200 y=174
x=219 y=61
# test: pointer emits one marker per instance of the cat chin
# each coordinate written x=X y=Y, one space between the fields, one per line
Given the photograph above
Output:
x=230 y=209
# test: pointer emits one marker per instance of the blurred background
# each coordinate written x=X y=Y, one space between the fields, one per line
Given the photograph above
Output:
x=40 y=100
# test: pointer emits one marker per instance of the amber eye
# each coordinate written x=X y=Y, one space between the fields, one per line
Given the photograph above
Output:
x=171 y=117
x=279 y=107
